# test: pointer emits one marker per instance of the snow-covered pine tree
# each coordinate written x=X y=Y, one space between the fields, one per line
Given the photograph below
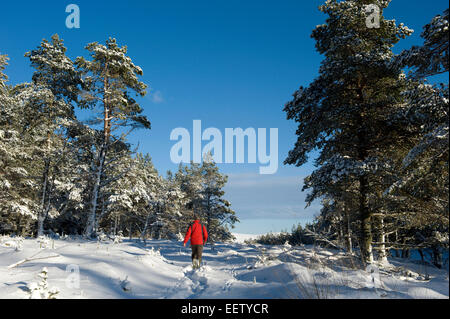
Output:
x=54 y=72
x=131 y=196
x=166 y=207
x=71 y=188
x=428 y=105
x=16 y=184
x=423 y=179
x=203 y=185
x=142 y=200
x=346 y=111
x=44 y=122
x=109 y=79
x=175 y=205
x=432 y=57
x=116 y=166
x=216 y=209
x=189 y=179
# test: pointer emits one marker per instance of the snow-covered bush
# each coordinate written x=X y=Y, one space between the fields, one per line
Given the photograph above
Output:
x=154 y=252
x=287 y=246
x=102 y=237
x=44 y=241
x=64 y=237
x=41 y=290
x=180 y=237
x=441 y=238
x=118 y=238
x=13 y=242
x=263 y=259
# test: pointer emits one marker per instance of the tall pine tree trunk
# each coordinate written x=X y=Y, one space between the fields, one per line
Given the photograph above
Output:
x=382 y=248
x=91 y=223
x=98 y=218
x=115 y=225
x=364 y=210
x=366 y=220
x=208 y=221
x=90 y=226
x=42 y=211
x=144 y=231
x=348 y=235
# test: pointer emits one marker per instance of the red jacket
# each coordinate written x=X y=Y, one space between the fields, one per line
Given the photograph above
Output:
x=194 y=232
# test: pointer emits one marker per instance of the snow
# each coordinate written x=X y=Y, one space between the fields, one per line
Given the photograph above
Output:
x=240 y=238
x=162 y=269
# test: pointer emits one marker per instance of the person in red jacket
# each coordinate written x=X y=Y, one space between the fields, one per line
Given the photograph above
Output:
x=198 y=235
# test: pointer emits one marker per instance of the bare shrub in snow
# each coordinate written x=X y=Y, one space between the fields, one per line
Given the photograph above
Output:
x=44 y=241
x=125 y=285
x=315 y=284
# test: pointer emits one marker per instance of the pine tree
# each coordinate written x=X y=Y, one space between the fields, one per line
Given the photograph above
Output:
x=168 y=208
x=72 y=191
x=432 y=57
x=190 y=181
x=54 y=70
x=44 y=121
x=346 y=111
x=50 y=115
x=215 y=209
x=110 y=78
x=176 y=205
x=423 y=179
x=69 y=177
x=131 y=195
x=17 y=209
x=203 y=187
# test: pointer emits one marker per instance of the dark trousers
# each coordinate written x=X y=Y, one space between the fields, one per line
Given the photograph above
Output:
x=197 y=251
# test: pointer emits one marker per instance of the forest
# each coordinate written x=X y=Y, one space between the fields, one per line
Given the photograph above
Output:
x=60 y=176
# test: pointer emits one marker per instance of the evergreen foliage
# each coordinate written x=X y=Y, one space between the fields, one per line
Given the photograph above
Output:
x=62 y=176
x=382 y=172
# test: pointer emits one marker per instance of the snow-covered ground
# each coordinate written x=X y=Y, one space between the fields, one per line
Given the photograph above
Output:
x=162 y=269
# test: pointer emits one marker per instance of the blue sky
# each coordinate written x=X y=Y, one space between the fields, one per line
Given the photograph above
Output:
x=227 y=63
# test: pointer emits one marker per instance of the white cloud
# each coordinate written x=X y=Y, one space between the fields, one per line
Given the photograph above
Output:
x=156 y=97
